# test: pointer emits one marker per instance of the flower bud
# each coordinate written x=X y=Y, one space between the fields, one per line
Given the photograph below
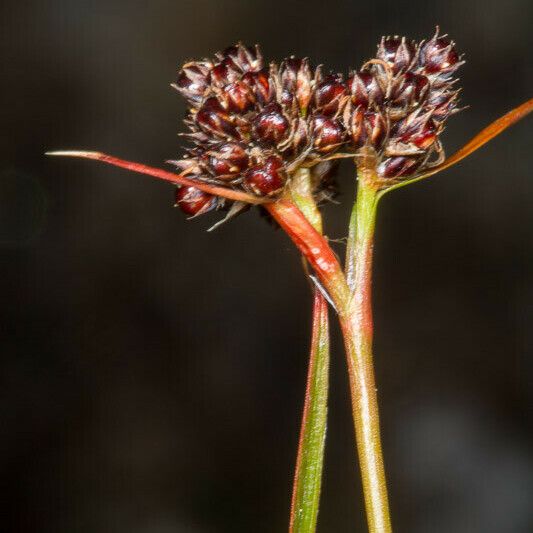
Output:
x=213 y=118
x=227 y=160
x=192 y=80
x=271 y=125
x=364 y=89
x=246 y=58
x=267 y=178
x=396 y=51
x=327 y=134
x=259 y=84
x=193 y=201
x=438 y=56
x=329 y=95
x=410 y=89
x=399 y=166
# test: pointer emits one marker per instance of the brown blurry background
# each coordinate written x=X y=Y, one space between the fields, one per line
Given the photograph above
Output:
x=152 y=373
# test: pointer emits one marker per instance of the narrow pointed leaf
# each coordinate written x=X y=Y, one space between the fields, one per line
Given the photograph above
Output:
x=483 y=137
x=310 y=458
x=179 y=179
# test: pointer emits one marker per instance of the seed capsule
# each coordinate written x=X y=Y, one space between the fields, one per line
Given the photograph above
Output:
x=227 y=160
x=423 y=137
x=238 y=97
x=259 y=84
x=327 y=134
x=296 y=82
x=193 y=201
x=442 y=103
x=213 y=118
x=267 y=178
x=246 y=58
x=223 y=73
x=396 y=51
x=192 y=80
x=410 y=89
x=364 y=89
x=397 y=167
x=376 y=128
x=329 y=94
x=366 y=127
x=271 y=125
x=438 y=56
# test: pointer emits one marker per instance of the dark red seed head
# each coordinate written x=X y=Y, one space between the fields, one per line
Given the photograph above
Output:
x=438 y=55
x=193 y=201
x=213 y=118
x=227 y=160
x=329 y=94
x=327 y=133
x=271 y=125
x=267 y=178
x=397 y=51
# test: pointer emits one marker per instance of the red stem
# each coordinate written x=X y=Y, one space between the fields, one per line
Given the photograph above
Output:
x=314 y=247
x=179 y=179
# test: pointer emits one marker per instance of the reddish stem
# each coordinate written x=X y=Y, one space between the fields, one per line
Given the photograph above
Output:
x=179 y=179
x=314 y=247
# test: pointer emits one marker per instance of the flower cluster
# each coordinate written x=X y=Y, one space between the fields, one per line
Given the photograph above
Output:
x=252 y=126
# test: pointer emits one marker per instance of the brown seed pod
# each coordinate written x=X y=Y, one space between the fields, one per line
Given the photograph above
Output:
x=438 y=55
x=193 y=201
x=398 y=52
x=214 y=119
x=329 y=94
x=365 y=89
x=192 y=81
x=328 y=133
x=226 y=160
x=266 y=178
x=271 y=125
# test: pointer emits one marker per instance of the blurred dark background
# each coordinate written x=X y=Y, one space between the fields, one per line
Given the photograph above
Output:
x=152 y=373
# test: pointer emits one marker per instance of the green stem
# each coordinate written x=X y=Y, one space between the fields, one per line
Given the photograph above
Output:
x=356 y=323
x=310 y=457
x=357 y=327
